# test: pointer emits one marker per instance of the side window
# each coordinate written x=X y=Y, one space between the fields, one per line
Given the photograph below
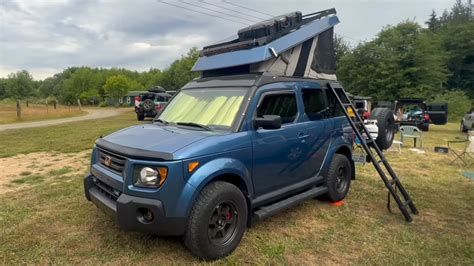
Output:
x=315 y=105
x=335 y=109
x=282 y=104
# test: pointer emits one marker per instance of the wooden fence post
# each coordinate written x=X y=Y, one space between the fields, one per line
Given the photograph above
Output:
x=18 y=109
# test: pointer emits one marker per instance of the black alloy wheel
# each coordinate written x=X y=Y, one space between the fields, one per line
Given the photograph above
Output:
x=341 y=179
x=223 y=223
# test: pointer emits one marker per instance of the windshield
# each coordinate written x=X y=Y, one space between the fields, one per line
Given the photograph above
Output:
x=207 y=107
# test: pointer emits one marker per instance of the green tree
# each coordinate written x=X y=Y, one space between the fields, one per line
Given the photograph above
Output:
x=82 y=80
x=20 y=85
x=90 y=96
x=402 y=60
x=117 y=86
x=433 y=22
x=150 y=78
x=3 y=88
x=457 y=33
x=341 y=48
x=179 y=73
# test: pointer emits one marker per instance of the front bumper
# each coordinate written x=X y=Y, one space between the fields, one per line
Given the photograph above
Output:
x=129 y=210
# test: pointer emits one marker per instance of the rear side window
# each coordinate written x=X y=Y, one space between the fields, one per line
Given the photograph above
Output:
x=315 y=105
x=282 y=104
x=335 y=109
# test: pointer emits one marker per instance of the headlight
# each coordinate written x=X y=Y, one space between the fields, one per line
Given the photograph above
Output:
x=150 y=177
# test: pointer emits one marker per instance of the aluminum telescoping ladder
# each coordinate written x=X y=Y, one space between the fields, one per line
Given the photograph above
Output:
x=393 y=183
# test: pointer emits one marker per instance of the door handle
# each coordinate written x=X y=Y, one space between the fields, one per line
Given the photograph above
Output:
x=302 y=135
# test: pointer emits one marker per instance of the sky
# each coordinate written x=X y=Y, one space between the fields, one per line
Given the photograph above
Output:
x=46 y=36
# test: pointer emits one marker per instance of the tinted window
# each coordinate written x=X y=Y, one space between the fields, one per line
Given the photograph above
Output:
x=334 y=108
x=315 y=105
x=359 y=105
x=283 y=105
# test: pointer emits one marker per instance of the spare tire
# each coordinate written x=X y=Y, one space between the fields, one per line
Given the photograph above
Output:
x=148 y=105
x=386 y=124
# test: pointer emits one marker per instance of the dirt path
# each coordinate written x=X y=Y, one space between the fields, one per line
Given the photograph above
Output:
x=33 y=168
x=92 y=114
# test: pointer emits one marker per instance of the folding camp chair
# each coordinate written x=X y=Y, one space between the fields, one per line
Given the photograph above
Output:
x=411 y=132
x=467 y=150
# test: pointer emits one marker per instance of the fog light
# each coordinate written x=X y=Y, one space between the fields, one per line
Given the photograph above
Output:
x=148 y=215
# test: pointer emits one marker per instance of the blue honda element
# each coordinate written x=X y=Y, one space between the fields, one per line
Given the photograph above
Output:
x=222 y=154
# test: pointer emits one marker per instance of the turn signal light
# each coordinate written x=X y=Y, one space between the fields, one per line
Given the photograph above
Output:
x=192 y=166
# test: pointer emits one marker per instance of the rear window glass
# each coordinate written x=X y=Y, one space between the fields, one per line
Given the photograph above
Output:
x=315 y=105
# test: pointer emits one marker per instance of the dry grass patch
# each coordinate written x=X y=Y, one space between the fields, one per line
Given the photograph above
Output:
x=35 y=112
x=34 y=168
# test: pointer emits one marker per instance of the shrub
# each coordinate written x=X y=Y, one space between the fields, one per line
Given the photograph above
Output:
x=458 y=103
x=103 y=104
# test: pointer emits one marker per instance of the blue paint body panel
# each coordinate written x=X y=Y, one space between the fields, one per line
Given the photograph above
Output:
x=262 y=53
x=263 y=161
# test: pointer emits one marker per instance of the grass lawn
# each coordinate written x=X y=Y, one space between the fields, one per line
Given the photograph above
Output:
x=70 y=137
x=48 y=220
x=36 y=112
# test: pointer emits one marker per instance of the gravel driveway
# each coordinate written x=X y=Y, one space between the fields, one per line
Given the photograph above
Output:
x=92 y=114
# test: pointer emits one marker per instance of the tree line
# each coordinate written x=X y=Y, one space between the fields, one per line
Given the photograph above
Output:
x=435 y=62
x=407 y=60
x=93 y=85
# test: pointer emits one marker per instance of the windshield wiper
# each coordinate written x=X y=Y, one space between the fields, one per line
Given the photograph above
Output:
x=161 y=121
x=192 y=124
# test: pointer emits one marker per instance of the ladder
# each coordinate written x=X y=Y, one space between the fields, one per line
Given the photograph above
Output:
x=377 y=158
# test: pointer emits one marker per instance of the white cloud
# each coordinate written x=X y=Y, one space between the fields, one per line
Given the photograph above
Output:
x=46 y=36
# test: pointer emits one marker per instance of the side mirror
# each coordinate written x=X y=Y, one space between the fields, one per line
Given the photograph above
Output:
x=268 y=122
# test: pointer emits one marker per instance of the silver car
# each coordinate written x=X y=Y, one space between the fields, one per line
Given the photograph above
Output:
x=467 y=121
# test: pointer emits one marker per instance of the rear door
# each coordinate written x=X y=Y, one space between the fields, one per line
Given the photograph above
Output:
x=316 y=116
x=438 y=113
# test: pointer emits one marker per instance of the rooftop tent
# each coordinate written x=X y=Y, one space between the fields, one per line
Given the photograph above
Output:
x=287 y=45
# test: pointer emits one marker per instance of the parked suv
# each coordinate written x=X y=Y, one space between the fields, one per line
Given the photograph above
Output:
x=416 y=112
x=224 y=153
x=150 y=103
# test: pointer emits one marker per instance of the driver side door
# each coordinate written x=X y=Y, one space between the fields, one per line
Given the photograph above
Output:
x=278 y=153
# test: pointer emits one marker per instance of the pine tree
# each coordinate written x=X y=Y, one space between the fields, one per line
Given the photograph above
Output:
x=433 y=22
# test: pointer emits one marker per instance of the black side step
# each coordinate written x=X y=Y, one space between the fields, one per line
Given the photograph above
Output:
x=269 y=210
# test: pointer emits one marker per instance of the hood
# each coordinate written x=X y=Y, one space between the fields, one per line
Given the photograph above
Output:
x=151 y=140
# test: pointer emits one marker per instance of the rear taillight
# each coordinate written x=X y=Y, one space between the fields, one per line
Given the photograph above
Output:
x=426 y=117
x=366 y=115
x=138 y=98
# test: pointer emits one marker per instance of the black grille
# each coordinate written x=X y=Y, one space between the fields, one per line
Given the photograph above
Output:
x=115 y=163
x=107 y=190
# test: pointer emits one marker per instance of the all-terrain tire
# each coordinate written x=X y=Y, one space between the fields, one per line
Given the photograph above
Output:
x=200 y=230
x=140 y=117
x=338 y=178
x=387 y=128
x=463 y=128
